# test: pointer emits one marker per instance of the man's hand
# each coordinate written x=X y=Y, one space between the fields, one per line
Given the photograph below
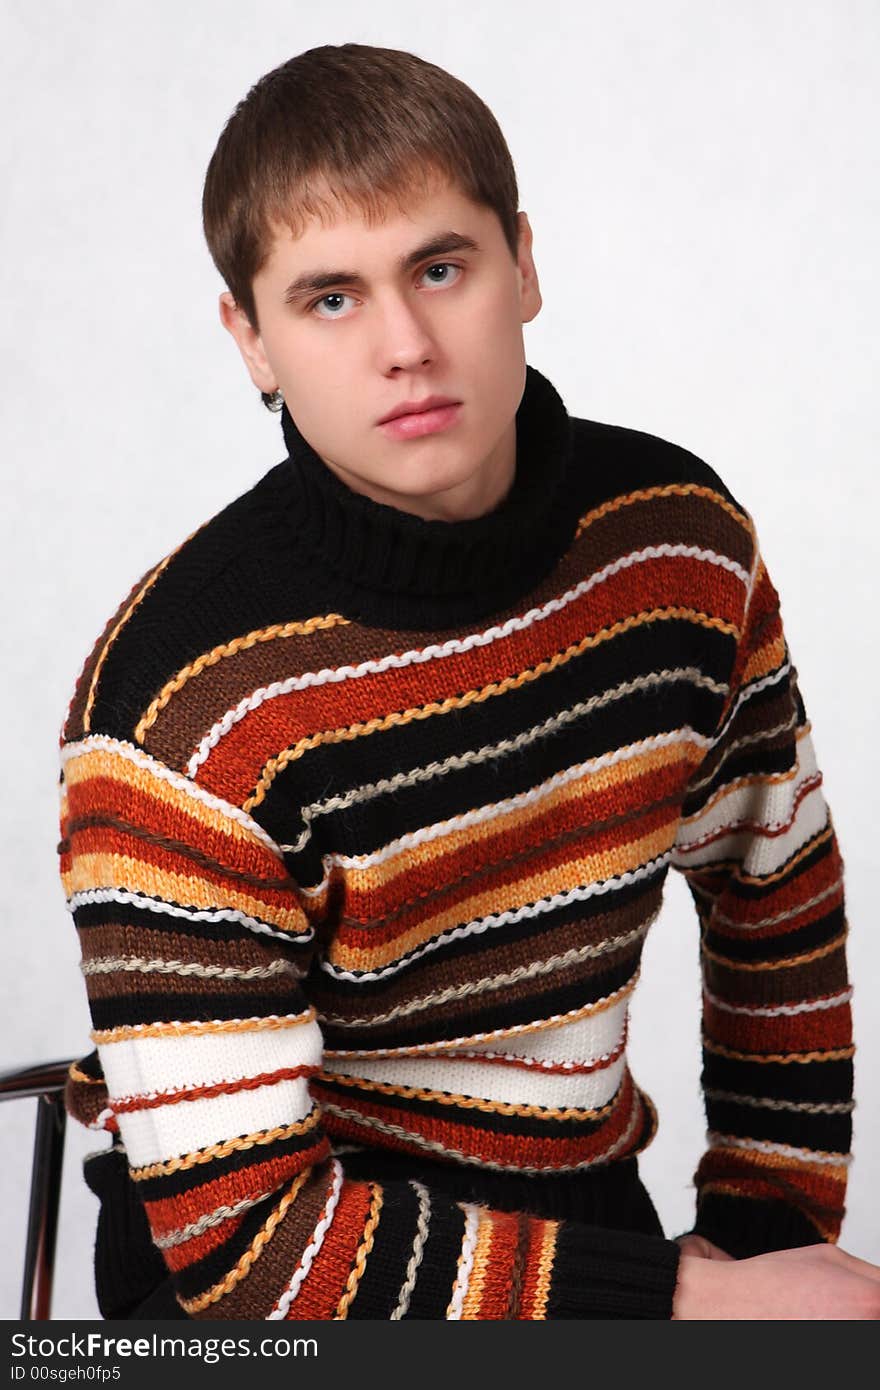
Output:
x=818 y=1282
x=698 y=1245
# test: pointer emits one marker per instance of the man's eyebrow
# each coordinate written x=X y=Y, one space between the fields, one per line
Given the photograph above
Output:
x=312 y=281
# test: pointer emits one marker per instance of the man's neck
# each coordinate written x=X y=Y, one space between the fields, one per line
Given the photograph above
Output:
x=476 y=496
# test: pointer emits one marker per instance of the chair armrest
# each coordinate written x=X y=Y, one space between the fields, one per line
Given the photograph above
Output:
x=42 y=1079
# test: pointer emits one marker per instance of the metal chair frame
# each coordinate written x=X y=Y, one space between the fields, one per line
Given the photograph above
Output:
x=45 y=1082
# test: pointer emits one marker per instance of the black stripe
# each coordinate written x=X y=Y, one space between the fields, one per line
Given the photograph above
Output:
x=120 y=1011
x=809 y=1081
x=321 y=773
x=432 y=1025
x=385 y=1272
x=744 y=946
x=439 y=1266
x=832 y=1133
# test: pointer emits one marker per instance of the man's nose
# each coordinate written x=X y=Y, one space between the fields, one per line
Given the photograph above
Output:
x=406 y=339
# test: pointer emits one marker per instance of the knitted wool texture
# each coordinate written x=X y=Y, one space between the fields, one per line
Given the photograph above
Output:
x=364 y=822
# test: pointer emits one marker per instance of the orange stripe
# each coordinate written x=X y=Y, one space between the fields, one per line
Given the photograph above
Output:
x=539 y=1269
x=168 y=1214
x=326 y=1282
x=144 y=801
x=507 y=846
x=488 y=1295
x=512 y=1150
x=537 y=884
x=819 y=1030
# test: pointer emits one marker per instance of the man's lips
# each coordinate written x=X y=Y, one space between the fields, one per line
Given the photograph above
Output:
x=420 y=422
x=417 y=407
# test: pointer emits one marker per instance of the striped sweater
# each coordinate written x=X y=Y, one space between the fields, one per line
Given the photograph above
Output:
x=364 y=820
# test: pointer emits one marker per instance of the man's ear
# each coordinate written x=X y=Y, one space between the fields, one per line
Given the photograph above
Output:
x=249 y=343
x=529 y=289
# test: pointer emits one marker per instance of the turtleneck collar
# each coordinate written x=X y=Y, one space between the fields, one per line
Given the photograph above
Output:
x=388 y=567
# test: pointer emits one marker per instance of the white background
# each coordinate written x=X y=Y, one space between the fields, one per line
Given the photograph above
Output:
x=702 y=183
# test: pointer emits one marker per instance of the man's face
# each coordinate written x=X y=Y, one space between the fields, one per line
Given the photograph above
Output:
x=427 y=303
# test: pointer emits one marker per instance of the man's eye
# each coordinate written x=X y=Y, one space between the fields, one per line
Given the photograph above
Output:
x=443 y=265
x=330 y=300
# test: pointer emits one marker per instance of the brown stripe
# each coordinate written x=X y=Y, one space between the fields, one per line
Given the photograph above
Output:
x=110 y=939
x=531 y=989
x=519 y=1261
x=827 y=975
x=689 y=520
x=117 y=941
x=270 y=1275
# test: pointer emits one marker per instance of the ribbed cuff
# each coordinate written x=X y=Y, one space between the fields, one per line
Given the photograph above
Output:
x=612 y=1274
x=128 y=1267
x=746 y=1226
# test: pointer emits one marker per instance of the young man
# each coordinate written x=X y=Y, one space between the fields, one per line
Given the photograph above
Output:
x=371 y=786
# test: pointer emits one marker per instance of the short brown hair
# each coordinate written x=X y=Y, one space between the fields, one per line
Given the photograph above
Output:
x=350 y=125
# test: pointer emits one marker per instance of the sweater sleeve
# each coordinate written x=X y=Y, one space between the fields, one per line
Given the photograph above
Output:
x=757 y=846
x=196 y=951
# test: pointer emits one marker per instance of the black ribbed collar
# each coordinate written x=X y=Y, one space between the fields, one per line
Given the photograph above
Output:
x=390 y=568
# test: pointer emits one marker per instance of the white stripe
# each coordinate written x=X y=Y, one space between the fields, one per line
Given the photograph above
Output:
x=418 y=1250
x=769 y=816
x=808 y=1006
x=585 y=1039
x=465 y=1260
x=131 y=754
x=170 y=1131
x=758 y=854
x=761 y=855
x=487 y=1081
x=317 y=1239
x=140 y=965
x=729 y=1141
x=454 y=647
x=173 y=1063
x=189 y=914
